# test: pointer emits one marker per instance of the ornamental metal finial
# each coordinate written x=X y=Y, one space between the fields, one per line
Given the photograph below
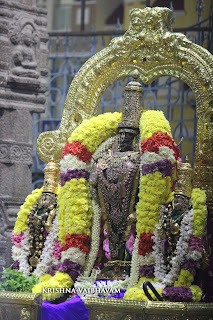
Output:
x=133 y=105
x=184 y=182
x=51 y=177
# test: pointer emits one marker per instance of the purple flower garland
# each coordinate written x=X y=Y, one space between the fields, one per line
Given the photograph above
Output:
x=73 y=269
x=196 y=243
x=163 y=166
x=190 y=266
x=147 y=270
x=73 y=174
x=177 y=294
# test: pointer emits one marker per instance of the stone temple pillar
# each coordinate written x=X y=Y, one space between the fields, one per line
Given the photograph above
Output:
x=23 y=67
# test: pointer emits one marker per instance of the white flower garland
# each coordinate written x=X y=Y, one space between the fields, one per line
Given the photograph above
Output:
x=48 y=250
x=182 y=247
x=152 y=157
x=193 y=254
x=70 y=162
x=74 y=254
x=21 y=254
x=135 y=264
x=147 y=259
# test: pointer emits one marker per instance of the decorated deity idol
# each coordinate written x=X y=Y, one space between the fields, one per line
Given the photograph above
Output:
x=116 y=172
x=34 y=222
x=178 y=249
x=118 y=176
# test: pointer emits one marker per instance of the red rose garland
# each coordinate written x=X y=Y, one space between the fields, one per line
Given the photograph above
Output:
x=80 y=241
x=145 y=243
x=77 y=149
x=157 y=140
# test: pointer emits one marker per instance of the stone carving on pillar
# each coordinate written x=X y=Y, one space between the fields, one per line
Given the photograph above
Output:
x=24 y=40
x=23 y=70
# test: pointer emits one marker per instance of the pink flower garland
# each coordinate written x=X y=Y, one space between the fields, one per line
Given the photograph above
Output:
x=17 y=239
x=58 y=248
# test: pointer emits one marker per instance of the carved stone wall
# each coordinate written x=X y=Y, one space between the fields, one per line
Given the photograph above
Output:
x=23 y=66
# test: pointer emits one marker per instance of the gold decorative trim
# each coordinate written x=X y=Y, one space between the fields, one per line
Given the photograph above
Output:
x=10 y=296
x=20 y=305
x=148 y=308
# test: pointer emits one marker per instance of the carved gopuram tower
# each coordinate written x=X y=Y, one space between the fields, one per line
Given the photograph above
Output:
x=23 y=67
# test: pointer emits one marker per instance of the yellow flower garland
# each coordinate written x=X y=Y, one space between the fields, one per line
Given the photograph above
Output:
x=30 y=201
x=59 y=280
x=91 y=133
x=153 y=121
x=154 y=189
x=198 y=198
x=135 y=293
x=153 y=193
x=185 y=278
x=74 y=209
x=196 y=293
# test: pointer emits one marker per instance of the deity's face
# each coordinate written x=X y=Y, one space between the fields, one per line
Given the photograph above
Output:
x=126 y=140
x=180 y=203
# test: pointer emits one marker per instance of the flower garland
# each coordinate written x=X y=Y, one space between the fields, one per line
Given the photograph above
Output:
x=60 y=281
x=153 y=193
x=94 y=238
x=91 y=133
x=182 y=245
x=159 y=156
x=135 y=264
x=20 y=254
x=48 y=251
x=74 y=254
x=69 y=239
x=200 y=213
x=20 y=238
x=75 y=211
x=106 y=145
x=83 y=146
x=152 y=122
x=176 y=285
x=77 y=153
x=21 y=222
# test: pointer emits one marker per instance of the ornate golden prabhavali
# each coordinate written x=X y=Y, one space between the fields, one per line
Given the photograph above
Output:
x=150 y=46
x=154 y=50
